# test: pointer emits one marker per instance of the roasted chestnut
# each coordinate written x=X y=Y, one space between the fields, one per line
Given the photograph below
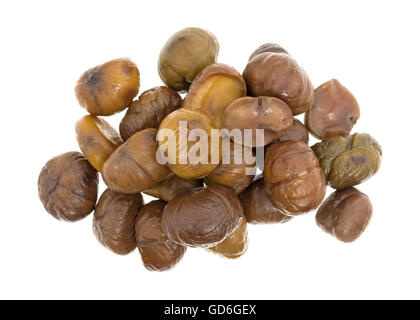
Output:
x=149 y=110
x=334 y=111
x=184 y=55
x=350 y=160
x=293 y=179
x=203 y=217
x=108 y=88
x=298 y=132
x=114 y=218
x=345 y=214
x=157 y=251
x=278 y=75
x=133 y=167
x=68 y=187
x=267 y=47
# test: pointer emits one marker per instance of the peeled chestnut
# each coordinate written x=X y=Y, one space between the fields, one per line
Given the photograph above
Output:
x=113 y=221
x=267 y=47
x=189 y=144
x=68 y=187
x=350 y=160
x=149 y=110
x=157 y=251
x=269 y=114
x=184 y=55
x=109 y=87
x=203 y=217
x=258 y=208
x=345 y=214
x=172 y=186
x=133 y=167
x=298 y=132
x=278 y=75
x=97 y=140
x=334 y=112
x=235 y=245
x=293 y=179
x=214 y=89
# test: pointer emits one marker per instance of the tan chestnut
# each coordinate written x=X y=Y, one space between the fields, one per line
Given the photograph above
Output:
x=267 y=47
x=269 y=114
x=109 y=87
x=214 y=89
x=334 y=112
x=97 y=139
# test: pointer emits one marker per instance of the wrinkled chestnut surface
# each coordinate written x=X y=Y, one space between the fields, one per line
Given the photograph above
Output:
x=233 y=171
x=345 y=214
x=184 y=55
x=203 y=217
x=97 y=140
x=269 y=114
x=267 y=47
x=108 y=88
x=157 y=251
x=278 y=75
x=172 y=186
x=133 y=167
x=214 y=89
x=206 y=161
x=113 y=221
x=334 y=112
x=68 y=187
x=350 y=160
x=235 y=245
x=258 y=208
x=149 y=110
x=293 y=179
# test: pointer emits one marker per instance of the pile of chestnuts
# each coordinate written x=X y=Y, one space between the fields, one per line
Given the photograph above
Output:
x=208 y=203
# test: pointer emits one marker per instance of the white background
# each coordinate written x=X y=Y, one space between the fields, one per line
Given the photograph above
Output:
x=372 y=47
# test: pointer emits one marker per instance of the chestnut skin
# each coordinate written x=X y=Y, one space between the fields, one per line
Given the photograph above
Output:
x=298 y=132
x=350 y=160
x=184 y=55
x=203 y=217
x=235 y=245
x=279 y=75
x=214 y=89
x=97 y=140
x=114 y=221
x=334 y=112
x=233 y=171
x=267 y=47
x=96 y=90
x=170 y=138
x=158 y=253
x=258 y=208
x=149 y=110
x=133 y=167
x=293 y=179
x=172 y=186
x=345 y=214
x=267 y=113
x=68 y=187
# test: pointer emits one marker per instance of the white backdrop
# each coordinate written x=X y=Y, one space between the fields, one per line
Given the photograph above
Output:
x=372 y=47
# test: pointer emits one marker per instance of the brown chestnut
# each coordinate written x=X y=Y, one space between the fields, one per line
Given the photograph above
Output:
x=133 y=167
x=345 y=214
x=203 y=217
x=113 y=221
x=293 y=179
x=214 y=89
x=279 y=75
x=334 y=112
x=149 y=110
x=298 y=132
x=68 y=187
x=258 y=208
x=97 y=140
x=108 y=88
x=157 y=251
x=267 y=47
x=269 y=114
